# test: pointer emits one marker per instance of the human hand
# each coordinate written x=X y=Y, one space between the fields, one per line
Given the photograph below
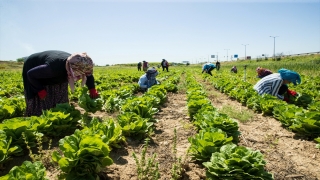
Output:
x=42 y=94
x=93 y=93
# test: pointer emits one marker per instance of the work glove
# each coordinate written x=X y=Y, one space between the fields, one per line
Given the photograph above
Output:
x=292 y=93
x=93 y=93
x=42 y=94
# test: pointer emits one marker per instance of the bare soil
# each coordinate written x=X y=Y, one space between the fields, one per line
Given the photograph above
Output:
x=288 y=157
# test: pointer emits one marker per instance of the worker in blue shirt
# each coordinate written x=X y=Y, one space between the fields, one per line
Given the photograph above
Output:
x=208 y=67
x=147 y=80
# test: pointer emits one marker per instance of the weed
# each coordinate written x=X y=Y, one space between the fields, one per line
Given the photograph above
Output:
x=242 y=115
x=176 y=170
x=149 y=170
x=41 y=155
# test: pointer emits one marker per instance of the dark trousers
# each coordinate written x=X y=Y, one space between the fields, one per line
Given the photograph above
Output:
x=209 y=71
x=165 y=67
x=139 y=68
x=283 y=89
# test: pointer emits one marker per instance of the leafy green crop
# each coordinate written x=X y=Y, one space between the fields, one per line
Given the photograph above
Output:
x=236 y=162
x=213 y=119
x=6 y=150
x=110 y=132
x=84 y=155
x=27 y=171
x=309 y=125
x=206 y=142
x=134 y=125
x=318 y=141
x=141 y=106
x=88 y=104
x=287 y=113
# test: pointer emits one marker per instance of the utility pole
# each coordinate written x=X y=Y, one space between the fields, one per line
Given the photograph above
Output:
x=245 y=51
x=227 y=53
x=274 y=47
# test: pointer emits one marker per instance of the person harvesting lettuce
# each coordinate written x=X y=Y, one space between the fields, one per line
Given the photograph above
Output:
x=208 y=67
x=148 y=79
x=271 y=84
x=46 y=76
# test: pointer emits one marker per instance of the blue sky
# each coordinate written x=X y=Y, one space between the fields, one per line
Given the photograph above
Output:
x=129 y=31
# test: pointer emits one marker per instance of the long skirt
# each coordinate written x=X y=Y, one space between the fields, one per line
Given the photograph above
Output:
x=56 y=94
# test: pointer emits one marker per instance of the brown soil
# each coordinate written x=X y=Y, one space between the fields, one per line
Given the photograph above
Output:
x=288 y=156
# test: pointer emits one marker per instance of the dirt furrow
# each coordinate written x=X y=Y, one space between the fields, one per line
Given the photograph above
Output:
x=288 y=156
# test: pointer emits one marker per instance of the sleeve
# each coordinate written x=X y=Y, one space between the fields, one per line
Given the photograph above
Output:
x=90 y=82
x=204 y=67
x=143 y=82
x=275 y=89
x=37 y=73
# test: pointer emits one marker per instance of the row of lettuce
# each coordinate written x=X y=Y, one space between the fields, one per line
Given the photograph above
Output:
x=84 y=153
x=215 y=145
x=303 y=120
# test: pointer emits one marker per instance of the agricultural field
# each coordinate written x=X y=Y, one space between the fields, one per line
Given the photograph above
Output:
x=191 y=126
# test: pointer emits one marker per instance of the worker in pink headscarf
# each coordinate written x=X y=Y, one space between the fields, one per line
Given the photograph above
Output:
x=46 y=76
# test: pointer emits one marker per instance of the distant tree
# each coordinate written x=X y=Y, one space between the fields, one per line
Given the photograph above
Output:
x=20 y=60
x=107 y=65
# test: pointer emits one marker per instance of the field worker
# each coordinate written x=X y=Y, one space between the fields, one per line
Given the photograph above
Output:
x=46 y=76
x=139 y=66
x=218 y=65
x=271 y=84
x=208 y=67
x=234 y=69
x=145 y=66
x=165 y=65
x=262 y=72
x=147 y=80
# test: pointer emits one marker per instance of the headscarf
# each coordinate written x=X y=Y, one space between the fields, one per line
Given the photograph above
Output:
x=289 y=75
x=258 y=68
x=79 y=65
x=151 y=73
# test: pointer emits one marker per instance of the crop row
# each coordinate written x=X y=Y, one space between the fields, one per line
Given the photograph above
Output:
x=303 y=121
x=216 y=143
x=87 y=149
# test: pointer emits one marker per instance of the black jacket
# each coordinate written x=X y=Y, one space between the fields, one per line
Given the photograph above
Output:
x=56 y=60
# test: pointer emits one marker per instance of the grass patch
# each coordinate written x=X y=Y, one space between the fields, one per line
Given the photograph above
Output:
x=242 y=115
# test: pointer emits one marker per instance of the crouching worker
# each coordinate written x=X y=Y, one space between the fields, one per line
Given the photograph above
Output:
x=147 y=80
x=234 y=69
x=208 y=67
x=46 y=76
x=262 y=72
x=273 y=83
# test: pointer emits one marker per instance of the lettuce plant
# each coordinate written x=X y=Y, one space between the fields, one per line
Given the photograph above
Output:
x=88 y=104
x=28 y=170
x=6 y=150
x=109 y=130
x=236 y=162
x=318 y=141
x=214 y=119
x=134 y=125
x=141 y=106
x=206 y=142
x=83 y=155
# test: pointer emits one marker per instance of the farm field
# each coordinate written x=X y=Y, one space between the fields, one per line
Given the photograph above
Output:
x=289 y=151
